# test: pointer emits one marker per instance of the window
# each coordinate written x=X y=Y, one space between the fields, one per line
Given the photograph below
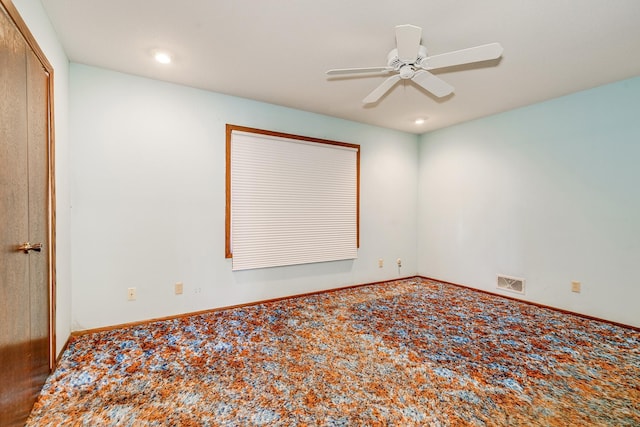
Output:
x=290 y=199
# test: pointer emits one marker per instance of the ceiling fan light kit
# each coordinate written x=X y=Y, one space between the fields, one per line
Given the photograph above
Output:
x=410 y=61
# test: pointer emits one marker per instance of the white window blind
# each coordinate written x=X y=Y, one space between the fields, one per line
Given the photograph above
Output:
x=292 y=201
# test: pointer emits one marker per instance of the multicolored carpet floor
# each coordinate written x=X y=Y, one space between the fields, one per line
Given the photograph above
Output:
x=404 y=353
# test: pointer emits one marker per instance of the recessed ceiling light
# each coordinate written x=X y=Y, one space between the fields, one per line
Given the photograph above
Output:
x=419 y=121
x=162 y=56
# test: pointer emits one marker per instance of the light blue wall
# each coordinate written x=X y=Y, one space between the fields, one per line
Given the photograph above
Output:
x=148 y=193
x=549 y=193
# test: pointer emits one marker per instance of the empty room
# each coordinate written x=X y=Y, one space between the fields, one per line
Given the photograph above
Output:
x=289 y=213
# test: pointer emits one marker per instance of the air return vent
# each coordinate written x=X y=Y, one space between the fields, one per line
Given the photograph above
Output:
x=511 y=284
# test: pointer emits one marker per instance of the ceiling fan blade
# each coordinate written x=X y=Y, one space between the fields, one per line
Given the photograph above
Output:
x=408 y=42
x=341 y=71
x=463 y=56
x=381 y=90
x=431 y=83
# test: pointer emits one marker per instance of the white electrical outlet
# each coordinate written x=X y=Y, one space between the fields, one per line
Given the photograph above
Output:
x=179 y=288
x=131 y=294
x=380 y=263
x=575 y=286
x=399 y=261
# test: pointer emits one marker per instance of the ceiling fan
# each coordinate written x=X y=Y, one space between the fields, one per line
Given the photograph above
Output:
x=409 y=61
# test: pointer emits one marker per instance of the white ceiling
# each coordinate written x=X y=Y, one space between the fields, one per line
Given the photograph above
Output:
x=277 y=51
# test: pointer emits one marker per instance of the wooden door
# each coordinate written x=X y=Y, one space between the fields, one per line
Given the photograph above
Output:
x=38 y=176
x=25 y=337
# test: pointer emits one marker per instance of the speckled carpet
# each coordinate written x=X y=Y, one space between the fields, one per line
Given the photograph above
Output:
x=403 y=353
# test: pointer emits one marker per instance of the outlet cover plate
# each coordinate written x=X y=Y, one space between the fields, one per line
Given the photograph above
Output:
x=575 y=286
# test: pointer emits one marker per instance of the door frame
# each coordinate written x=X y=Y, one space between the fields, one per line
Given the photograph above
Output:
x=14 y=15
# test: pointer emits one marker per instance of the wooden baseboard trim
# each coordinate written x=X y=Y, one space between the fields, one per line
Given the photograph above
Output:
x=326 y=291
x=229 y=307
x=548 y=307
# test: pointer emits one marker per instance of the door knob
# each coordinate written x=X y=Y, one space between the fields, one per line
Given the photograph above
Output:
x=27 y=247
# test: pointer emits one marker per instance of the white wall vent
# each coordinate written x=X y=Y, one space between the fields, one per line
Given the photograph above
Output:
x=511 y=284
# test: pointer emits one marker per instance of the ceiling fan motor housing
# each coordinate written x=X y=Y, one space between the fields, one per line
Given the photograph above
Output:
x=394 y=61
